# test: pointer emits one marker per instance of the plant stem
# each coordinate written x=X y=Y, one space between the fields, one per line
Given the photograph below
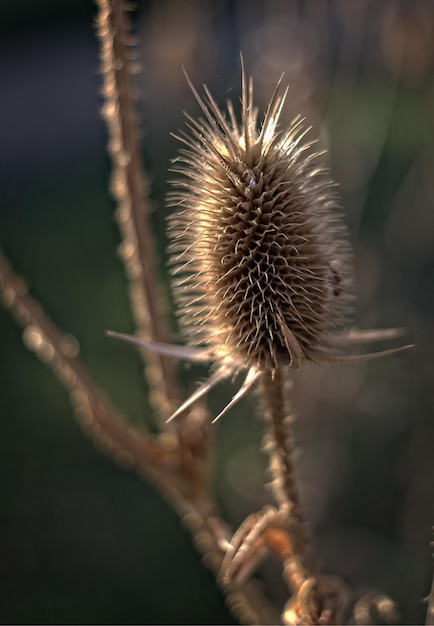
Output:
x=130 y=189
x=280 y=447
x=296 y=551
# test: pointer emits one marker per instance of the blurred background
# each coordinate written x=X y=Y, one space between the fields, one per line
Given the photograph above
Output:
x=84 y=541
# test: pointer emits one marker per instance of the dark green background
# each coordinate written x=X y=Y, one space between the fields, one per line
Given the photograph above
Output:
x=84 y=541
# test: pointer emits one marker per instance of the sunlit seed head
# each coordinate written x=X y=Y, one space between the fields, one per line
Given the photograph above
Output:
x=261 y=260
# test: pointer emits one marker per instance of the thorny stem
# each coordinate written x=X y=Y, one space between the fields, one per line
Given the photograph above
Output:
x=129 y=186
x=298 y=561
x=279 y=446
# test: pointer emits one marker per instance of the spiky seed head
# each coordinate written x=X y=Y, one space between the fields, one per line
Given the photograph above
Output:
x=261 y=260
x=262 y=266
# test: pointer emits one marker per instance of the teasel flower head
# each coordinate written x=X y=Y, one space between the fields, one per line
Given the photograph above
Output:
x=261 y=260
x=262 y=264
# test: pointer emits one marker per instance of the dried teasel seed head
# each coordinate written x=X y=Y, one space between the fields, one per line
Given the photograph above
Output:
x=262 y=265
x=263 y=273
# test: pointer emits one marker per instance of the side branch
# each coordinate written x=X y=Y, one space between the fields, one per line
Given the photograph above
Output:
x=178 y=472
x=157 y=460
x=99 y=418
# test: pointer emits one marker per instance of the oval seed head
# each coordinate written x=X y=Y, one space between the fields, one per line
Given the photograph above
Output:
x=262 y=264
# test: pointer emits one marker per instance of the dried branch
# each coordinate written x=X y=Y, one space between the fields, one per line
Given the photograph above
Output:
x=157 y=460
x=100 y=419
x=129 y=187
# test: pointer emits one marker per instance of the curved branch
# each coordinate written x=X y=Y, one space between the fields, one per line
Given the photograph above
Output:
x=159 y=461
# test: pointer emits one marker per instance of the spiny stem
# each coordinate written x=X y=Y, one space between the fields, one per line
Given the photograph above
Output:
x=130 y=188
x=299 y=566
x=279 y=446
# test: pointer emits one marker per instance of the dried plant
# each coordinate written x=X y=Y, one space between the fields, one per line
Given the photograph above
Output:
x=264 y=282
